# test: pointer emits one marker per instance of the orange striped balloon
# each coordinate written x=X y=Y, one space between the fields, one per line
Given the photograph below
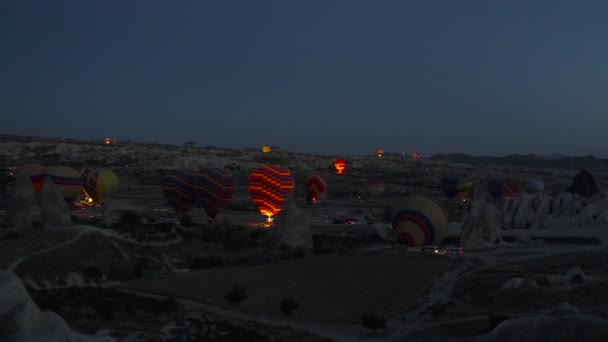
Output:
x=269 y=185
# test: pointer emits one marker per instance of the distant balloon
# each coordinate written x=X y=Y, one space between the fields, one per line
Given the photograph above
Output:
x=508 y=188
x=178 y=191
x=315 y=186
x=269 y=186
x=453 y=187
x=67 y=180
x=374 y=187
x=535 y=185
x=266 y=149
x=213 y=190
x=340 y=166
x=99 y=184
x=419 y=220
x=416 y=155
x=35 y=172
x=380 y=153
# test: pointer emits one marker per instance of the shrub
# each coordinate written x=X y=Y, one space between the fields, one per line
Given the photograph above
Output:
x=373 y=322
x=236 y=295
x=288 y=306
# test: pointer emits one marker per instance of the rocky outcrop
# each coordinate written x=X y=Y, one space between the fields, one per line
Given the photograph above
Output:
x=565 y=209
x=23 y=209
x=55 y=212
x=292 y=227
x=22 y=320
x=482 y=226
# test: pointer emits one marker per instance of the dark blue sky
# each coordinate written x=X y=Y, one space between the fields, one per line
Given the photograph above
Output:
x=336 y=77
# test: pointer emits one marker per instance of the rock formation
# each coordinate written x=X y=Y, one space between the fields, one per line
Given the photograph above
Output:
x=292 y=227
x=23 y=209
x=55 y=212
x=482 y=227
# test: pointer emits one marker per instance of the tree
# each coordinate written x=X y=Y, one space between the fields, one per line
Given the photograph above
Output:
x=373 y=322
x=236 y=295
x=288 y=306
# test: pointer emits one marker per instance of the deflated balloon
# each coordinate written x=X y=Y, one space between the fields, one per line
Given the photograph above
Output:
x=269 y=186
x=453 y=187
x=35 y=172
x=67 y=180
x=315 y=186
x=419 y=220
x=99 y=184
x=177 y=188
x=213 y=190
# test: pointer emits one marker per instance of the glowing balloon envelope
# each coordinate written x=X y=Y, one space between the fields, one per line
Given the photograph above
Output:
x=35 y=172
x=99 y=184
x=67 y=180
x=508 y=189
x=213 y=190
x=315 y=186
x=419 y=220
x=269 y=186
x=178 y=191
x=340 y=166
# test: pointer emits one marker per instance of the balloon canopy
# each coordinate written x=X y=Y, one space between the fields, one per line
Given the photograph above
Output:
x=315 y=186
x=419 y=220
x=340 y=166
x=213 y=190
x=380 y=153
x=453 y=187
x=269 y=186
x=99 y=184
x=508 y=188
x=535 y=185
x=35 y=172
x=177 y=188
x=67 y=180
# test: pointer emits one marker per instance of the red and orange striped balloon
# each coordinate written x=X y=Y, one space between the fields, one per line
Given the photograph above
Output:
x=315 y=186
x=340 y=166
x=269 y=186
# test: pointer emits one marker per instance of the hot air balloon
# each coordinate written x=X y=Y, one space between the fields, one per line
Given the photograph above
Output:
x=535 y=185
x=213 y=190
x=508 y=188
x=416 y=155
x=266 y=149
x=35 y=172
x=99 y=184
x=419 y=220
x=374 y=187
x=108 y=141
x=178 y=191
x=269 y=186
x=340 y=166
x=67 y=180
x=380 y=153
x=454 y=186
x=315 y=186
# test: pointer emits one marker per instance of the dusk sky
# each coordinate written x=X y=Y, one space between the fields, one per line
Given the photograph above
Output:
x=323 y=76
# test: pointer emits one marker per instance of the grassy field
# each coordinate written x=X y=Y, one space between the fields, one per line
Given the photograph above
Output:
x=329 y=289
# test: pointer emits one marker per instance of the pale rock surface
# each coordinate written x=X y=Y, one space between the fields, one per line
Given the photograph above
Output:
x=23 y=209
x=292 y=227
x=55 y=212
x=482 y=226
x=22 y=321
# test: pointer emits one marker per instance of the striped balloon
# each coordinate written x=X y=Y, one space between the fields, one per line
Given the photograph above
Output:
x=269 y=186
x=35 y=172
x=315 y=186
x=67 y=180
x=419 y=220
x=508 y=189
x=177 y=188
x=213 y=190
x=454 y=186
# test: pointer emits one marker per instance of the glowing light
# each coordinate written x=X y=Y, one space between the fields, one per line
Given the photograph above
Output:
x=108 y=141
x=266 y=149
x=380 y=153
